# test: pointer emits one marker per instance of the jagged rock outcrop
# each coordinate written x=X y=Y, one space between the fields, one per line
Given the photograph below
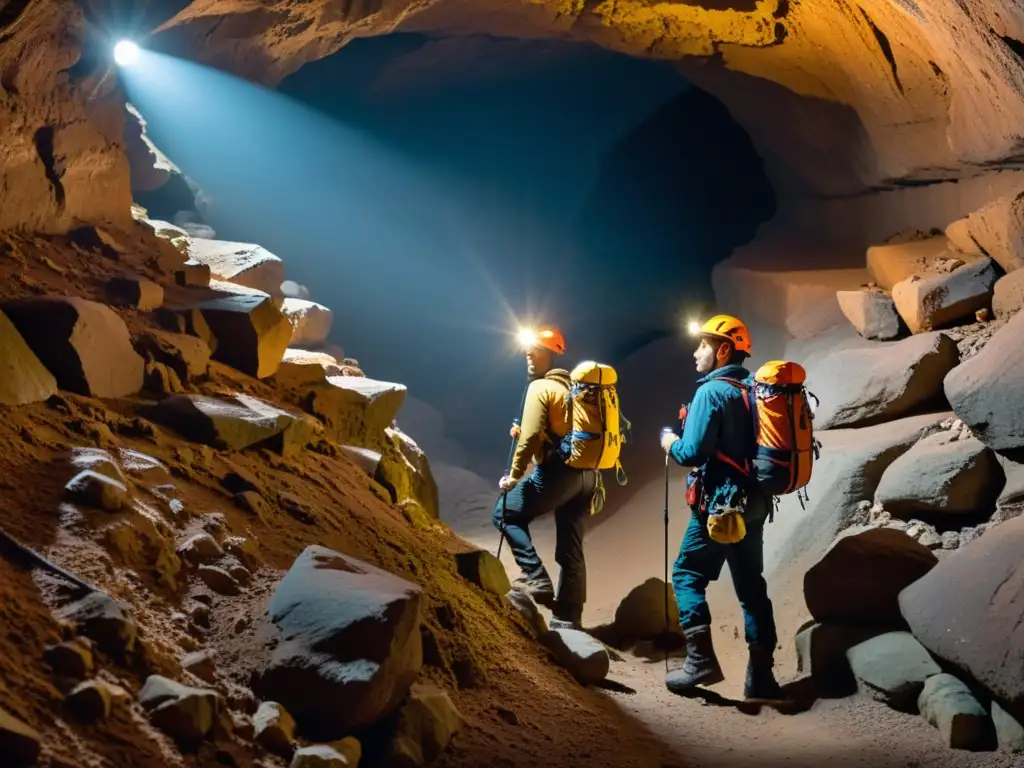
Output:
x=967 y=610
x=348 y=643
x=356 y=409
x=63 y=161
x=242 y=263
x=311 y=321
x=234 y=424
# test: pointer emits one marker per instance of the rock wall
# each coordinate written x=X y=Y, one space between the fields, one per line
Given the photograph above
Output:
x=838 y=98
x=908 y=91
x=61 y=160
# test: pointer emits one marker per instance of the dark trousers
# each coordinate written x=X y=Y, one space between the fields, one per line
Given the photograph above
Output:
x=700 y=562
x=567 y=492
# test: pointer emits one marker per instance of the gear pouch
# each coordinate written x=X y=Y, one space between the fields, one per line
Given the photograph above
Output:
x=694 y=489
x=725 y=521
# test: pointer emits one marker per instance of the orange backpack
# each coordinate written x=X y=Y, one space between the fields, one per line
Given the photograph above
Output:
x=785 y=447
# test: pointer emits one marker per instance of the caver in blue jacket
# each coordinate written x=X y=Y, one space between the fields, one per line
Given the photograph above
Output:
x=719 y=422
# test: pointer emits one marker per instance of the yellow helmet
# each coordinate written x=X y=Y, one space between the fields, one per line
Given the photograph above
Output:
x=730 y=329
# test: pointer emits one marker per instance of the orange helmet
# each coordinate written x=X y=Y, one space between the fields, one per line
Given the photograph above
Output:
x=728 y=328
x=545 y=337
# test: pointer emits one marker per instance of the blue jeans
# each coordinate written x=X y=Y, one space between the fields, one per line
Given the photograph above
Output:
x=700 y=562
x=567 y=492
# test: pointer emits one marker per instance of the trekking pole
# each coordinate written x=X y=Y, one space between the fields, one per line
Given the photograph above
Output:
x=666 y=567
x=511 y=457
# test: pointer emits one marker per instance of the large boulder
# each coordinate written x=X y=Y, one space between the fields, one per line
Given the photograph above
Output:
x=996 y=230
x=1009 y=733
x=892 y=263
x=942 y=475
x=1010 y=503
x=930 y=301
x=251 y=333
x=348 y=643
x=872 y=313
x=641 y=615
x=405 y=471
x=892 y=668
x=23 y=379
x=483 y=569
x=860 y=578
x=821 y=653
x=1008 y=296
x=84 y=344
x=585 y=658
x=882 y=382
x=968 y=610
x=987 y=390
x=242 y=263
x=950 y=706
x=311 y=322
x=235 y=424
x=357 y=410
x=852 y=463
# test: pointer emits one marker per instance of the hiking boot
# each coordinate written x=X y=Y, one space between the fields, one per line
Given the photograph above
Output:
x=701 y=666
x=760 y=685
x=540 y=589
x=566 y=616
x=557 y=623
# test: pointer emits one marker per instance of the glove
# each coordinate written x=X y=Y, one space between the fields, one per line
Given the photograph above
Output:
x=668 y=437
x=507 y=483
x=514 y=432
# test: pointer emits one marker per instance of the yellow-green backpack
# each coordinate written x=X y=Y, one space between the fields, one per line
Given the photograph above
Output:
x=598 y=429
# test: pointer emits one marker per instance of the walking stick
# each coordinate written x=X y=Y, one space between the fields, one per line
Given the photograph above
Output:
x=666 y=566
x=511 y=457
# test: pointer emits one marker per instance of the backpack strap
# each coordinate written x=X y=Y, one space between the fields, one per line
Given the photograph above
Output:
x=750 y=400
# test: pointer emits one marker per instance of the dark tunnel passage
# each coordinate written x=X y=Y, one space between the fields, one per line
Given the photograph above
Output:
x=554 y=181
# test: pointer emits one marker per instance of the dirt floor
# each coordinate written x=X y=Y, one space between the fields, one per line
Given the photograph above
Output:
x=717 y=729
